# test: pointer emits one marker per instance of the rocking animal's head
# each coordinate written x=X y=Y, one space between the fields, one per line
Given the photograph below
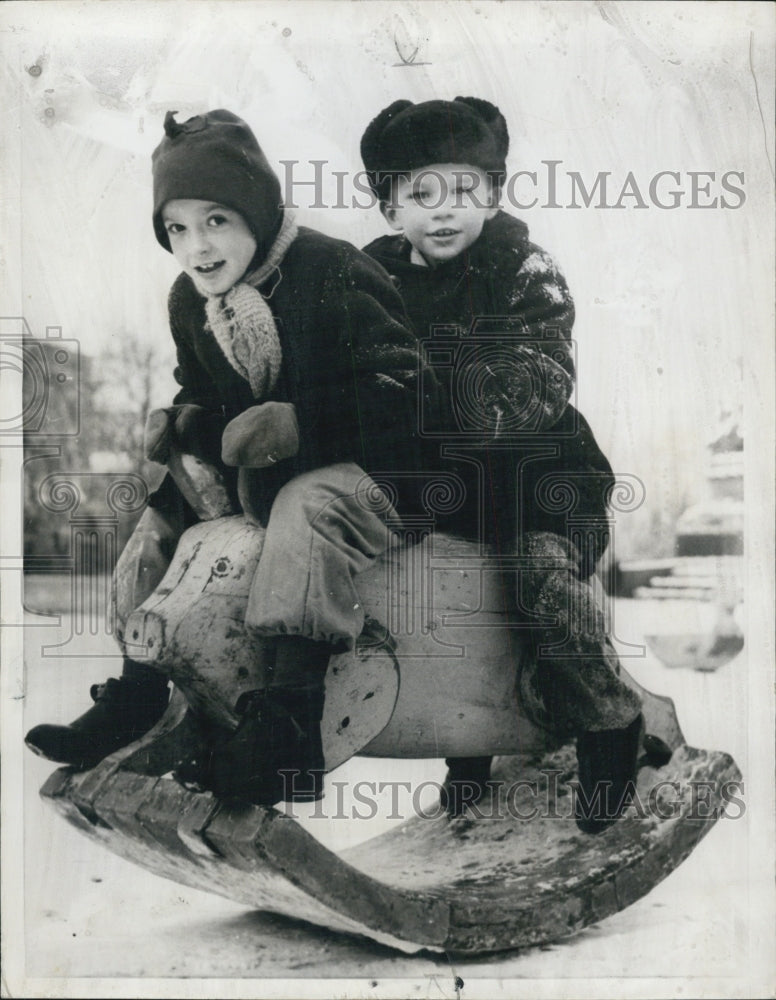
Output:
x=437 y=168
x=217 y=204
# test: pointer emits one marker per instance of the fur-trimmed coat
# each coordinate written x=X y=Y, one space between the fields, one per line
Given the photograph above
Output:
x=350 y=365
x=495 y=325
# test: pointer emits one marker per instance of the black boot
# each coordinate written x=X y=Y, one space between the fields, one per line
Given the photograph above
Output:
x=275 y=754
x=123 y=711
x=608 y=763
x=465 y=784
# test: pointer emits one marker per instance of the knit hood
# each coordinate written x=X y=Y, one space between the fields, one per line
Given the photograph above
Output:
x=407 y=136
x=215 y=157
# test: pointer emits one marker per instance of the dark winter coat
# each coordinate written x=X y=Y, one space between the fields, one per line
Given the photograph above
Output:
x=495 y=325
x=350 y=364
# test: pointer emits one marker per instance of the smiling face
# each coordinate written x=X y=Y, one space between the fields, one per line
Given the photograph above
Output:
x=212 y=243
x=441 y=209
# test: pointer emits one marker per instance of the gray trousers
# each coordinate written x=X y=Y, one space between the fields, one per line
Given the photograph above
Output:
x=324 y=529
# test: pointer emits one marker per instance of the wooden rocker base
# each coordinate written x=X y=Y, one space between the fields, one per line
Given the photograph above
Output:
x=516 y=872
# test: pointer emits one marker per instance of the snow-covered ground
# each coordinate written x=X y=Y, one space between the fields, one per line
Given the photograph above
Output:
x=90 y=914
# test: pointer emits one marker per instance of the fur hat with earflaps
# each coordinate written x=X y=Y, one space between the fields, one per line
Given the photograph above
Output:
x=215 y=157
x=407 y=136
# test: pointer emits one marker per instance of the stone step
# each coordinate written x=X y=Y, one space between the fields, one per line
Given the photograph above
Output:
x=673 y=593
x=682 y=582
x=716 y=566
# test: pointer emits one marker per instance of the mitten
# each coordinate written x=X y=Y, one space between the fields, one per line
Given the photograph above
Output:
x=198 y=431
x=261 y=436
x=527 y=391
x=192 y=429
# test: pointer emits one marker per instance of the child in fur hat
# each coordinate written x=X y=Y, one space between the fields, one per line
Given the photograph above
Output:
x=464 y=265
x=296 y=368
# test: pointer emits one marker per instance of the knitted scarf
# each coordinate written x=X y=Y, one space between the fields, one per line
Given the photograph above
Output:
x=242 y=322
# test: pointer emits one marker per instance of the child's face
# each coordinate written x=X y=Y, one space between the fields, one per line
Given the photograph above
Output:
x=441 y=209
x=212 y=243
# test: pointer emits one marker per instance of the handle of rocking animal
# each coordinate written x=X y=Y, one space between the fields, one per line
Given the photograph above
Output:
x=201 y=484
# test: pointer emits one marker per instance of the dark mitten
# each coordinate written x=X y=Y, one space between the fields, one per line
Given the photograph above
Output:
x=189 y=427
x=522 y=391
x=198 y=431
x=261 y=436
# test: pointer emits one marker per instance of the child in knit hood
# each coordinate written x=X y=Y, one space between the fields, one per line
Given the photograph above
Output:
x=506 y=368
x=298 y=375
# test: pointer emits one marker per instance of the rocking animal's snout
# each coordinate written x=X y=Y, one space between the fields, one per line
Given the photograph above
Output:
x=144 y=637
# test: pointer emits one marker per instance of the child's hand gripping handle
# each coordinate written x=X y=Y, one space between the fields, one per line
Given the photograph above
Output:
x=178 y=437
x=257 y=439
x=261 y=436
x=190 y=428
